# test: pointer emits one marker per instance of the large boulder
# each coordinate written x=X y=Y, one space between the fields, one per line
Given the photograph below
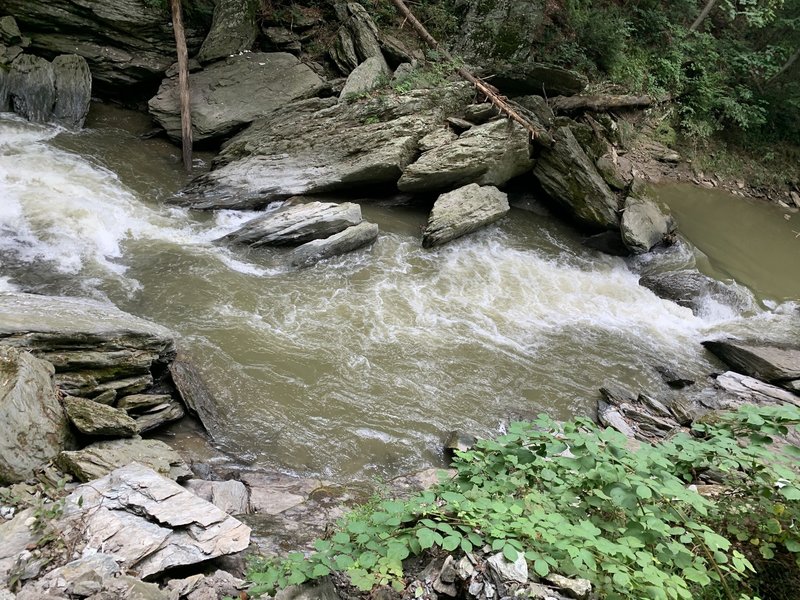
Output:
x=463 y=211
x=95 y=347
x=489 y=154
x=347 y=240
x=33 y=426
x=127 y=43
x=230 y=94
x=570 y=178
x=644 y=224
x=148 y=523
x=774 y=363
x=73 y=81
x=233 y=30
x=356 y=40
x=319 y=145
x=367 y=76
x=296 y=224
x=100 y=458
x=692 y=289
x=32 y=88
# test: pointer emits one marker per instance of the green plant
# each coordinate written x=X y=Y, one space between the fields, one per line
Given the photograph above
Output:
x=577 y=500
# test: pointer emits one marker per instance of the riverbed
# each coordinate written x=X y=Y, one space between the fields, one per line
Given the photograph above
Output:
x=359 y=366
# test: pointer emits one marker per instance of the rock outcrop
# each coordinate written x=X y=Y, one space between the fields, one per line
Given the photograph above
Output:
x=775 y=364
x=367 y=76
x=232 y=93
x=33 y=426
x=357 y=38
x=73 y=82
x=489 y=154
x=570 y=178
x=32 y=88
x=233 y=30
x=644 y=224
x=463 y=211
x=319 y=145
x=352 y=238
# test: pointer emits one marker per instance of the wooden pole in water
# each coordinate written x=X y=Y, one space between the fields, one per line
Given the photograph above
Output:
x=535 y=133
x=183 y=83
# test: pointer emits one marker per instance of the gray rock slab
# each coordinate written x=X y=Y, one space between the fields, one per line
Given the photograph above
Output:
x=489 y=154
x=136 y=403
x=93 y=418
x=33 y=425
x=367 y=76
x=570 y=178
x=149 y=523
x=463 y=211
x=32 y=88
x=769 y=362
x=692 y=289
x=73 y=87
x=644 y=223
x=352 y=238
x=81 y=577
x=100 y=458
x=15 y=536
x=507 y=571
x=159 y=416
x=754 y=391
x=195 y=393
x=230 y=94
x=231 y=496
x=580 y=589
x=295 y=224
x=356 y=40
x=319 y=145
x=233 y=30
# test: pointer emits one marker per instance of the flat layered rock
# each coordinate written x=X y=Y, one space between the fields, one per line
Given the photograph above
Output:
x=772 y=363
x=296 y=224
x=100 y=458
x=754 y=391
x=158 y=416
x=489 y=154
x=350 y=239
x=231 y=496
x=232 y=93
x=33 y=426
x=463 y=211
x=93 y=418
x=195 y=393
x=149 y=523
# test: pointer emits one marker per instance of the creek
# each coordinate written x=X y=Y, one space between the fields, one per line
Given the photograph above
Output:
x=358 y=366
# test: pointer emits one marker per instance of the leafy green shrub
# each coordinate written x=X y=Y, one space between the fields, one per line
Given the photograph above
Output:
x=577 y=500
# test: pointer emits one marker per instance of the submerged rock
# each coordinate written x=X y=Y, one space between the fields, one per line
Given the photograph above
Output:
x=100 y=458
x=489 y=154
x=350 y=239
x=570 y=178
x=778 y=364
x=230 y=94
x=73 y=83
x=195 y=393
x=33 y=426
x=691 y=289
x=233 y=30
x=296 y=224
x=93 y=418
x=463 y=211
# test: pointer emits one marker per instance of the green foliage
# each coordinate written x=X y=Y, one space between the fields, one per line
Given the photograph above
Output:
x=577 y=500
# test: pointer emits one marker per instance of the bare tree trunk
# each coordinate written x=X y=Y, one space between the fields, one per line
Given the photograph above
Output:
x=702 y=16
x=536 y=134
x=183 y=83
x=786 y=66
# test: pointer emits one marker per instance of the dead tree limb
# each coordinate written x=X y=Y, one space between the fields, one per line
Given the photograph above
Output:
x=703 y=14
x=603 y=103
x=786 y=66
x=535 y=132
x=183 y=83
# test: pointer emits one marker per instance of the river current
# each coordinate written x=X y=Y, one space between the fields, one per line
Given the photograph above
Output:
x=360 y=365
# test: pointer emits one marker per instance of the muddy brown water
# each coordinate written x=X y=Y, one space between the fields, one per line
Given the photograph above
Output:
x=359 y=366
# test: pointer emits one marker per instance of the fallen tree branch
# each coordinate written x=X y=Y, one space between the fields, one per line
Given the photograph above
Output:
x=604 y=103
x=536 y=133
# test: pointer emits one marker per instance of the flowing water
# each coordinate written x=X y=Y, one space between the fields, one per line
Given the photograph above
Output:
x=359 y=365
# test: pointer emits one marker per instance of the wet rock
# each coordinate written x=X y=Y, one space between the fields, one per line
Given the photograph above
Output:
x=772 y=363
x=100 y=458
x=370 y=74
x=136 y=403
x=570 y=178
x=233 y=30
x=574 y=588
x=610 y=173
x=352 y=238
x=690 y=289
x=644 y=224
x=32 y=88
x=357 y=38
x=195 y=393
x=231 y=496
x=94 y=346
x=489 y=154
x=230 y=94
x=159 y=416
x=73 y=89
x=617 y=395
x=459 y=440
x=319 y=145
x=93 y=418
x=610 y=416
x=33 y=426
x=673 y=379
x=608 y=242
x=296 y=224
x=463 y=211
x=149 y=523
x=753 y=391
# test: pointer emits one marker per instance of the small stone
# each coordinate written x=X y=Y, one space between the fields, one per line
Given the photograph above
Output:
x=795 y=198
x=574 y=588
x=465 y=568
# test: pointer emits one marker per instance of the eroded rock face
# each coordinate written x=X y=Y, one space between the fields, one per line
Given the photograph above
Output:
x=32 y=88
x=232 y=93
x=692 y=289
x=33 y=426
x=489 y=154
x=319 y=145
x=570 y=178
x=233 y=30
x=149 y=523
x=463 y=211
x=73 y=82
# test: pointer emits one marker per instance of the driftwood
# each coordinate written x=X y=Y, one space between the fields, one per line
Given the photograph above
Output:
x=604 y=103
x=183 y=83
x=536 y=133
